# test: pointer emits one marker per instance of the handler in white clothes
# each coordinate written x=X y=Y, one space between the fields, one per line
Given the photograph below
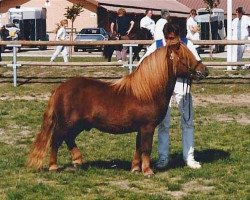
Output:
x=61 y=35
x=240 y=32
x=147 y=22
x=184 y=100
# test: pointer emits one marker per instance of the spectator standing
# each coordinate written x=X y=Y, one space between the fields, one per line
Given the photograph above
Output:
x=193 y=30
x=148 y=23
x=240 y=32
x=61 y=35
x=122 y=25
x=159 y=36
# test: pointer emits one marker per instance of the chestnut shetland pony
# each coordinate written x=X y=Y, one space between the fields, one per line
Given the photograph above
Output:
x=136 y=102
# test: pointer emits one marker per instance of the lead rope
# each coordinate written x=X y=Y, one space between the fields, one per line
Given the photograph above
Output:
x=188 y=90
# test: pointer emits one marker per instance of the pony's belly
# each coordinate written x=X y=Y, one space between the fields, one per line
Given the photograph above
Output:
x=115 y=129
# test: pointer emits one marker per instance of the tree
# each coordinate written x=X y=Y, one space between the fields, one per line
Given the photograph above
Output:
x=71 y=14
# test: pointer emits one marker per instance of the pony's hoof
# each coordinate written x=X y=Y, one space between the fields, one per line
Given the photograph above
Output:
x=78 y=163
x=136 y=170
x=53 y=168
x=148 y=173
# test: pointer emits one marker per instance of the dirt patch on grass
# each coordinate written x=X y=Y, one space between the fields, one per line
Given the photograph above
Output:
x=20 y=136
x=191 y=187
x=241 y=119
x=40 y=97
x=242 y=99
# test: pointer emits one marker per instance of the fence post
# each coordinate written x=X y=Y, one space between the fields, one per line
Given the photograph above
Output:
x=130 y=64
x=14 y=63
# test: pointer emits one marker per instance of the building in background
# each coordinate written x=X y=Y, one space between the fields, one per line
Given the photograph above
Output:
x=97 y=13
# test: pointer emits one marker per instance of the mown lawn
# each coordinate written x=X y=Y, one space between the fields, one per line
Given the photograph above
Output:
x=222 y=146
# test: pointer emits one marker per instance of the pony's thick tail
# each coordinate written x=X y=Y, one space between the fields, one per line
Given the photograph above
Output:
x=43 y=139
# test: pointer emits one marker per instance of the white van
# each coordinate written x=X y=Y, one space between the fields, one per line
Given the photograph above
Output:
x=217 y=26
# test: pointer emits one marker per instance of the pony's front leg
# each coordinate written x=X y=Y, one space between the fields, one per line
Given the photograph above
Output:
x=76 y=155
x=146 y=148
x=136 y=162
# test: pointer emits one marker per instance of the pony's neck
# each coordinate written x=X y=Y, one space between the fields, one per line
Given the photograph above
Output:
x=151 y=78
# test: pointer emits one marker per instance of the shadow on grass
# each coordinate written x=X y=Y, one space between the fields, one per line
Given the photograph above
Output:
x=99 y=164
x=205 y=156
x=211 y=155
x=176 y=161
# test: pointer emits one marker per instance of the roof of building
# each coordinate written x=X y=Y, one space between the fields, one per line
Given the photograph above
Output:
x=223 y=4
x=176 y=8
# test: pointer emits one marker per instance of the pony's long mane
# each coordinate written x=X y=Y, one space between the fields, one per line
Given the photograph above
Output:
x=150 y=75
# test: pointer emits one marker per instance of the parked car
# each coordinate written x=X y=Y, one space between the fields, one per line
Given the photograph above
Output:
x=91 y=34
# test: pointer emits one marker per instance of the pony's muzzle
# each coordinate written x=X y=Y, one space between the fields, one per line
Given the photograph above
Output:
x=200 y=75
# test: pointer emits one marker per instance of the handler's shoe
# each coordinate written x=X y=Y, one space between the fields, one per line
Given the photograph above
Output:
x=191 y=163
x=161 y=164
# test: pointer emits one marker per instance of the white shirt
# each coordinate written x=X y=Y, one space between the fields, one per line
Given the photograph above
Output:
x=148 y=23
x=159 y=29
x=190 y=34
x=61 y=34
x=245 y=22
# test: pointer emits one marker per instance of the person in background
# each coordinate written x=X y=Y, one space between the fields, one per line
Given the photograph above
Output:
x=148 y=23
x=61 y=35
x=239 y=32
x=193 y=30
x=122 y=25
x=159 y=36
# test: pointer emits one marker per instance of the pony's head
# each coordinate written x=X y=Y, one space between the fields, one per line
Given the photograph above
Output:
x=184 y=61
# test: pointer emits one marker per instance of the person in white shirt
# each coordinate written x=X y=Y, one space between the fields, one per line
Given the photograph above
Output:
x=148 y=23
x=159 y=36
x=61 y=35
x=193 y=31
x=240 y=32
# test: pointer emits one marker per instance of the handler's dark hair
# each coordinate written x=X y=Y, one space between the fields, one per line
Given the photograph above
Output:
x=171 y=28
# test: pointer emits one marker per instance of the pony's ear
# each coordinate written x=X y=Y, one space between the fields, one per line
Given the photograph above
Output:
x=173 y=44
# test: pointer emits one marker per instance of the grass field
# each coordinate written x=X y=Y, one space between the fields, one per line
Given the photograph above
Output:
x=222 y=137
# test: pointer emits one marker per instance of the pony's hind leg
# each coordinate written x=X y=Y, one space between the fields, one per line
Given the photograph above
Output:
x=76 y=155
x=55 y=144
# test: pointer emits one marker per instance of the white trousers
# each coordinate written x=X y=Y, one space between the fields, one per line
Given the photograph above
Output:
x=60 y=49
x=184 y=101
x=238 y=50
x=237 y=53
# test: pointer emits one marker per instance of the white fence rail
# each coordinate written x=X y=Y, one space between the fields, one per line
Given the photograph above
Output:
x=130 y=43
